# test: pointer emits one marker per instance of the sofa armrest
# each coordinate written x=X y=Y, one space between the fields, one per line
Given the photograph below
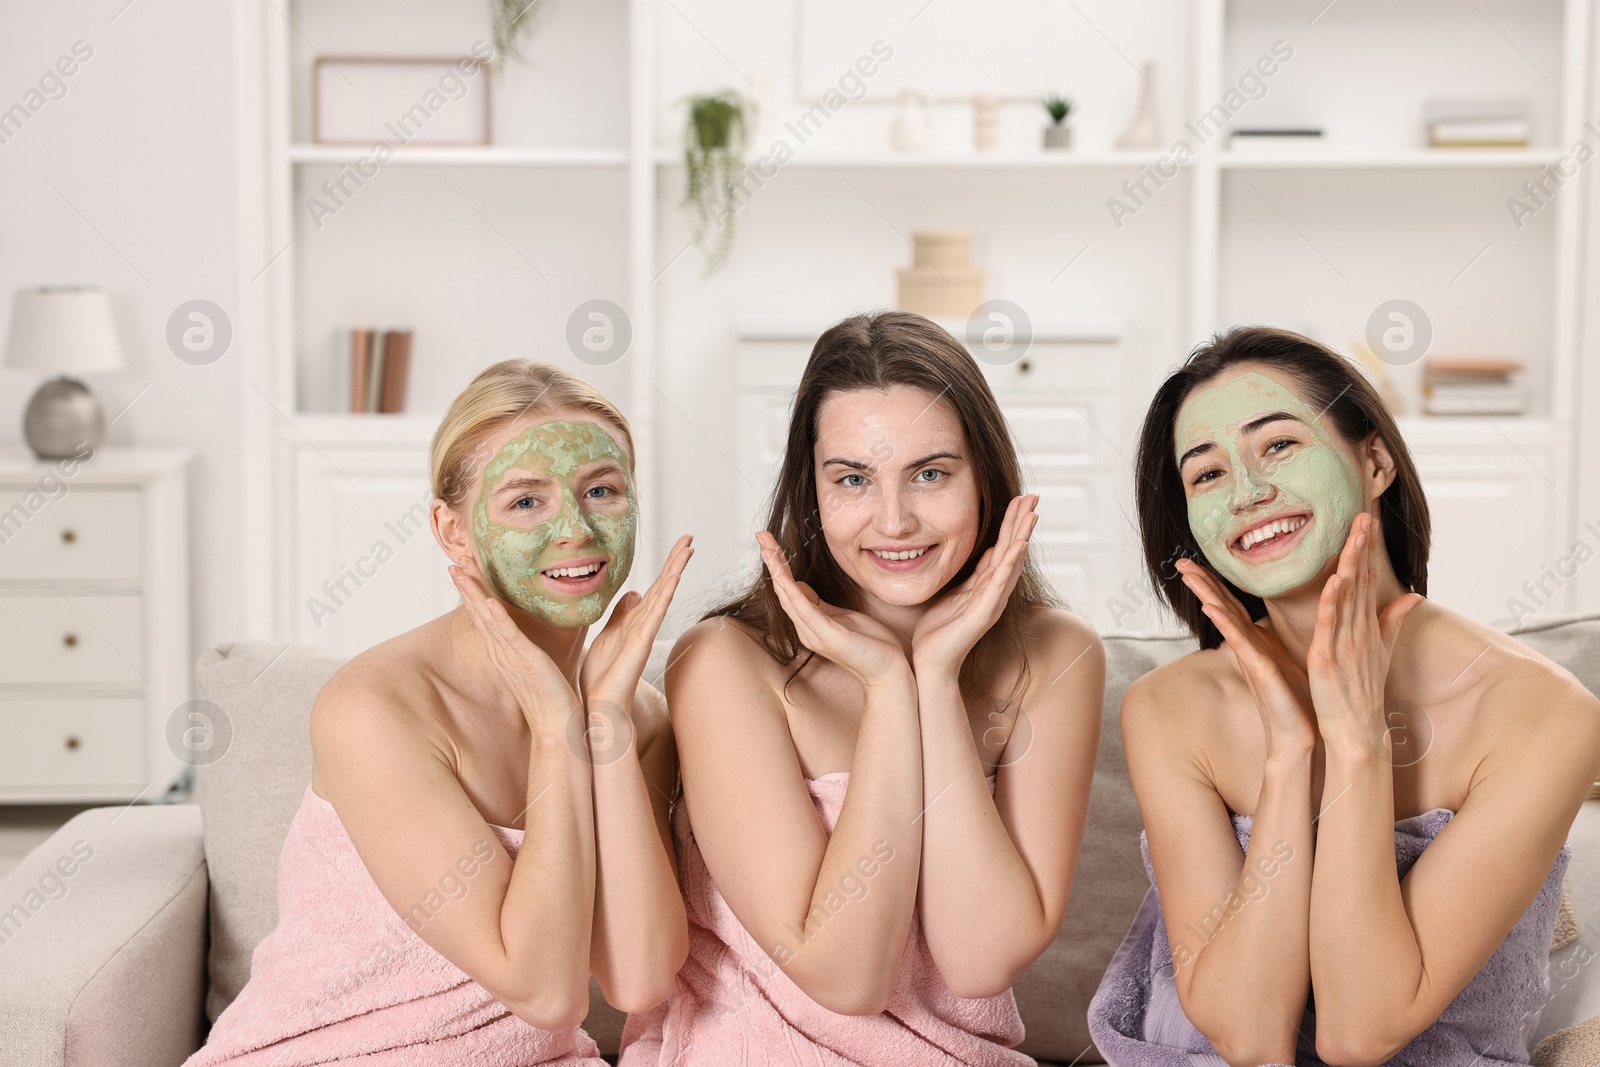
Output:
x=103 y=942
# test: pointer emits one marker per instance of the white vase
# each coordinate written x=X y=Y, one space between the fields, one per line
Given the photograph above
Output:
x=1144 y=128
x=985 y=122
x=912 y=129
x=1058 y=135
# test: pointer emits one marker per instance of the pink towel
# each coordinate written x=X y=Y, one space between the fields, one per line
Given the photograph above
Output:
x=732 y=1006
x=342 y=979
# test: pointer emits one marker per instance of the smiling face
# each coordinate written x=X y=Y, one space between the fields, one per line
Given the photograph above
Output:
x=555 y=519
x=898 y=497
x=1272 y=489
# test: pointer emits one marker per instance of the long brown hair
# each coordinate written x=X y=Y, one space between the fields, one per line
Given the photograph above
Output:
x=876 y=352
x=1328 y=383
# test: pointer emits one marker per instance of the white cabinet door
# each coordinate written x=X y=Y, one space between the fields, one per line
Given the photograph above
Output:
x=367 y=565
x=1493 y=535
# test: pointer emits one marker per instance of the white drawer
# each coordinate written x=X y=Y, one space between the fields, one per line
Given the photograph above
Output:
x=88 y=533
x=1074 y=505
x=72 y=638
x=77 y=741
x=1051 y=428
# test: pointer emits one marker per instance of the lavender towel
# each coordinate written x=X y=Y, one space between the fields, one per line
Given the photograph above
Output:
x=1136 y=1021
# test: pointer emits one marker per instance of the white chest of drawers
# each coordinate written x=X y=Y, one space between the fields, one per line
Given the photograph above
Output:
x=94 y=623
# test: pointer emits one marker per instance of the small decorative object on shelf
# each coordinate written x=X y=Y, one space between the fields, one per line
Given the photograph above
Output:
x=508 y=20
x=985 y=122
x=713 y=159
x=1144 y=128
x=941 y=282
x=1378 y=375
x=1473 y=385
x=358 y=101
x=1058 y=134
x=1463 y=123
x=913 y=126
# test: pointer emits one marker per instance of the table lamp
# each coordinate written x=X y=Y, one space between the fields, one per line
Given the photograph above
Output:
x=63 y=331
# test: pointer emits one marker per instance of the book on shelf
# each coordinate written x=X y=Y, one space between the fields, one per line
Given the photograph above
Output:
x=360 y=367
x=380 y=362
x=396 y=364
x=1473 y=385
x=1471 y=123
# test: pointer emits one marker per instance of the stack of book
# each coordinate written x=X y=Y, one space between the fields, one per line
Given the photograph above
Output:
x=1472 y=385
x=379 y=361
x=1462 y=123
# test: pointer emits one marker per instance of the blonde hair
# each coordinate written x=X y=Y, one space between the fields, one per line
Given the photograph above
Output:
x=501 y=394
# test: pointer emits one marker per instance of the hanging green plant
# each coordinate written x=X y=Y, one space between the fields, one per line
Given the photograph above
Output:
x=713 y=160
x=507 y=20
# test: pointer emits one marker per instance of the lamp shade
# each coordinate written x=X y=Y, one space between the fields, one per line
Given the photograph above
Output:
x=63 y=331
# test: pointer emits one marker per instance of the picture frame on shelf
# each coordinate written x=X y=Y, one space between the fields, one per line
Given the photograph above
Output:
x=438 y=101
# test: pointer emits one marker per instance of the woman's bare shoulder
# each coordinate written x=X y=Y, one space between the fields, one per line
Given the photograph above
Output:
x=724 y=642
x=1518 y=688
x=1189 y=691
x=388 y=691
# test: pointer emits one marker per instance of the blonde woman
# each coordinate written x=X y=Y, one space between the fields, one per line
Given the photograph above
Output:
x=486 y=824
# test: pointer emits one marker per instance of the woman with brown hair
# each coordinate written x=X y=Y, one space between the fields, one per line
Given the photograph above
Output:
x=486 y=823
x=1351 y=795
x=886 y=741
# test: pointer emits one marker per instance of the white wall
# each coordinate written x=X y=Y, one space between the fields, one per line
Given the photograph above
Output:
x=130 y=182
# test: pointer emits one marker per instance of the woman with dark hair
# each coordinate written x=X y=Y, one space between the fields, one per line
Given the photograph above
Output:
x=886 y=741
x=1351 y=795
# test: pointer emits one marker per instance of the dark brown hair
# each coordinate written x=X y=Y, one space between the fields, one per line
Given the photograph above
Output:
x=876 y=352
x=1328 y=383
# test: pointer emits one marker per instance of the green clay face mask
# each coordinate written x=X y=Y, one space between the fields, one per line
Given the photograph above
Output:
x=559 y=457
x=1294 y=469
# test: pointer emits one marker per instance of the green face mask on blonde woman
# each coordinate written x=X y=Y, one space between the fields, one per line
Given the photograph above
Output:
x=1303 y=463
x=557 y=457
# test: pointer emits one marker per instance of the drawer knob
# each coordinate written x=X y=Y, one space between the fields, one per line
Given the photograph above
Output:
x=70 y=640
x=1025 y=366
x=72 y=742
x=69 y=535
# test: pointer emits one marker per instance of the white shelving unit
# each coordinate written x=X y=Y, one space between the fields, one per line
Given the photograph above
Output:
x=342 y=481
x=1241 y=236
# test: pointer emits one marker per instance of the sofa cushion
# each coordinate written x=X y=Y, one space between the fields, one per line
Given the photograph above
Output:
x=1572 y=641
x=250 y=791
x=1108 y=883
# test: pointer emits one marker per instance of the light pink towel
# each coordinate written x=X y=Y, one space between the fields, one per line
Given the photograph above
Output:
x=732 y=1006
x=342 y=979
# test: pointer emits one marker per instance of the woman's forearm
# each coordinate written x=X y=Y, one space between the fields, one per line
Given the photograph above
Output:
x=548 y=913
x=981 y=910
x=640 y=932
x=845 y=951
x=1249 y=954
x=1365 y=963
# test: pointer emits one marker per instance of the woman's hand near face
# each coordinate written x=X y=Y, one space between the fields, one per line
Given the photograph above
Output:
x=543 y=692
x=616 y=659
x=953 y=624
x=860 y=644
x=1348 y=662
x=1278 y=684
x=641 y=936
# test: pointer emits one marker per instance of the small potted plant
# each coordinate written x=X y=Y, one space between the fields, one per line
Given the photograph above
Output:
x=507 y=21
x=713 y=159
x=1058 y=134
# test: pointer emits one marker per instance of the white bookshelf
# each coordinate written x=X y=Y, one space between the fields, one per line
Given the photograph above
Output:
x=588 y=174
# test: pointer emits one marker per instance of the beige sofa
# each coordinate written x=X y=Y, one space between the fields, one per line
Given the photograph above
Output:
x=125 y=959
